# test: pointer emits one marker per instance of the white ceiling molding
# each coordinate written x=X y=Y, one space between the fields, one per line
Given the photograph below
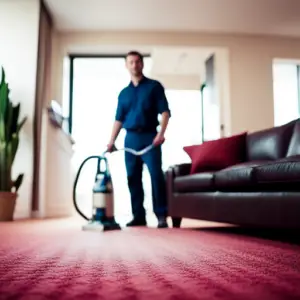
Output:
x=272 y=17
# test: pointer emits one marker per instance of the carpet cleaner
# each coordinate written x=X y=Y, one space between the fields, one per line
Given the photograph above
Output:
x=103 y=196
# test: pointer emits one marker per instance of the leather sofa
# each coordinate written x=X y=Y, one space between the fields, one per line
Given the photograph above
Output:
x=261 y=191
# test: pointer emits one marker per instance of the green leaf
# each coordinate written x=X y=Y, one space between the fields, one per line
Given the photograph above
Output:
x=4 y=172
x=9 y=122
x=17 y=183
x=3 y=105
x=21 y=124
x=13 y=148
x=9 y=136
x=2 y=131
x=15 y=117
x=2 y=76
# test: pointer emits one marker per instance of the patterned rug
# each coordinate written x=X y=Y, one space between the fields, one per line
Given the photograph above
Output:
x=56 y=260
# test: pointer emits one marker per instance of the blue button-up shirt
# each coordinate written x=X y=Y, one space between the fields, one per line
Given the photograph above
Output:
x=139 y=106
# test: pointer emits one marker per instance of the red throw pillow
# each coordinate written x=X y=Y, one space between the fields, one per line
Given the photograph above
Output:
x=217 y=154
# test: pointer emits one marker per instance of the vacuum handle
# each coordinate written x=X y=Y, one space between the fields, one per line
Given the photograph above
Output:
x=100 y=159
x=114 y=148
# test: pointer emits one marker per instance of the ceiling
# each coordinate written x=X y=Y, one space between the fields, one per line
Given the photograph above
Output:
x=276 y=17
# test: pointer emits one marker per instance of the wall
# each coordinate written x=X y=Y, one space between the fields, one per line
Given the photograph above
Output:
x=248 y=94
x=56 y=176
x=252 y=103
x=19 y=23
x=178 y=82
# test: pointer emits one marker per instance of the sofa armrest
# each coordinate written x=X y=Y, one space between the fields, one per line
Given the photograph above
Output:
x=182 y=169
x=171 y=174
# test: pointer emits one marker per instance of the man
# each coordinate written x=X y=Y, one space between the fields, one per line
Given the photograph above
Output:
x=139 y=105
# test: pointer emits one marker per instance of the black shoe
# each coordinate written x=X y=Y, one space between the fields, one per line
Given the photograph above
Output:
x=137 y=222
x=162 y=222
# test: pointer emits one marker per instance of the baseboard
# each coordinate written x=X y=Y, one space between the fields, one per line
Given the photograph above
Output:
x=21 y=215
x=58 y=211
x=36 y=214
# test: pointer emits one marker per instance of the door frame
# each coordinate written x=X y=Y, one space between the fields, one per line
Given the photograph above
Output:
x=203 y=86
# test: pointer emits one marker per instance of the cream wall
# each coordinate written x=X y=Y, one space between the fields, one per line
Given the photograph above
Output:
x=247 y=96
x=19 y=23
x=179 y=82
x=56 y=180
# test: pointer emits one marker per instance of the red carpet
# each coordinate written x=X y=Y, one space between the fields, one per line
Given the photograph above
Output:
x=54 y=260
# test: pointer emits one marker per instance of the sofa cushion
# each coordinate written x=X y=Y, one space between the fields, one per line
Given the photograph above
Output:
x=269 y=144
x=294 y=147
x=237 y=177
x=284 y=173
x=217 y=154
x=200 y=182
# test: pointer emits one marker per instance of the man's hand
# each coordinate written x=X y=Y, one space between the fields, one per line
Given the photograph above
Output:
x=159 y=139
x=110 y=147
x=115 y=132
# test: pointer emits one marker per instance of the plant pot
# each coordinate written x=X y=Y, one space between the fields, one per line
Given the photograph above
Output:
x=7 y=206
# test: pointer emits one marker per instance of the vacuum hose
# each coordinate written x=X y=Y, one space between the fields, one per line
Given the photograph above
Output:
x=75 y=185
x=134 y=152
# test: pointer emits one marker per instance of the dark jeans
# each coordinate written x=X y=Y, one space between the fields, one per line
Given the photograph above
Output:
x=134 y=168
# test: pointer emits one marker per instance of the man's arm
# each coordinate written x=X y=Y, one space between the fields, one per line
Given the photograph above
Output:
x=118 y=124
x=165 y=116
x=164 y=110
x=115 y=131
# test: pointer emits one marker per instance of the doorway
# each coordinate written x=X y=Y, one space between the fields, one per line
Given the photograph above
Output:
x=96 y=83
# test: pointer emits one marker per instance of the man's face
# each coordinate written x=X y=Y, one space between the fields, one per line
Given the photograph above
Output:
x=134 y=65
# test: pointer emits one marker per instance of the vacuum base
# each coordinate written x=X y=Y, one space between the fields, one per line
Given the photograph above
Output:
x=99 y=226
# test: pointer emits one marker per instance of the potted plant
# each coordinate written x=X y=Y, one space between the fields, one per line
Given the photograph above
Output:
x=9 y=143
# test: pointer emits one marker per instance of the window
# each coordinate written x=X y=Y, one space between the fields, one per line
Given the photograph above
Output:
x=210 y=116
x=185 y=125
x=286 y=84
